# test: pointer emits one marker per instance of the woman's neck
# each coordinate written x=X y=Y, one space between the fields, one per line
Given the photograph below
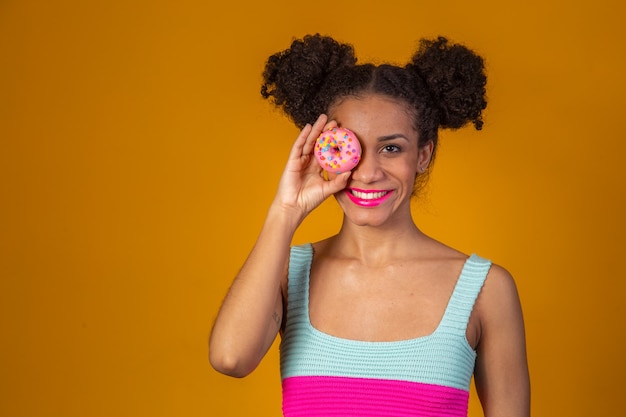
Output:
x=379 y=245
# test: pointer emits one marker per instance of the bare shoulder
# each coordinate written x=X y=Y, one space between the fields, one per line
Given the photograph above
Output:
x=499 y=287
x=321 y=246
x=498 y=305
x=501 y=371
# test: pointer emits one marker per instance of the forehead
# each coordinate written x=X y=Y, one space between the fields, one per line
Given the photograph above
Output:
x=373 y=115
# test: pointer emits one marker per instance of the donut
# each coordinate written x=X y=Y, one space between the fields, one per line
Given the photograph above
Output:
x=337 y=150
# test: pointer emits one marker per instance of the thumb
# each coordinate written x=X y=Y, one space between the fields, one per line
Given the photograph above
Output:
x=339 y=182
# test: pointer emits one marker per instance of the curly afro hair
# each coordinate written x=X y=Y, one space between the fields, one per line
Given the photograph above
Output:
x=443 y=85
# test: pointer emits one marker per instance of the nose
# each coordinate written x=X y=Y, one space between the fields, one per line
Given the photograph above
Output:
x=368 y=169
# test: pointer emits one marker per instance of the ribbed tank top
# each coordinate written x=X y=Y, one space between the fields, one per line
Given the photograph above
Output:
x=429 y=376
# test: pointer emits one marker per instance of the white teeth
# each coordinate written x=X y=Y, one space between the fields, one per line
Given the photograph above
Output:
x=368 y=196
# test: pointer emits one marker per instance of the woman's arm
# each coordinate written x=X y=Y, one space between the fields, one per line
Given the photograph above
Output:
x=251 y=314
x=501 y=373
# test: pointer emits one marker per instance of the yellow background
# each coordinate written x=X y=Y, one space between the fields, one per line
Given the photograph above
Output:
x=137 y=161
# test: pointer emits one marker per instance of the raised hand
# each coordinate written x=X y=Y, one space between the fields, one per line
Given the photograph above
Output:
x=302 y=186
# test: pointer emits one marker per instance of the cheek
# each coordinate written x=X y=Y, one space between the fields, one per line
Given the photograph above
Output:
x=405 y=165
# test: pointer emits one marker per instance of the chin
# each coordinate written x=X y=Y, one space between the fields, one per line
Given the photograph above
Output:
x=365 y=216
x=377 y=216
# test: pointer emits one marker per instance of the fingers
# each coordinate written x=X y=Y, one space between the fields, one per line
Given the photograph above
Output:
x=330 y=125
x=316 y=130
x=305 y=141
x=296 y=149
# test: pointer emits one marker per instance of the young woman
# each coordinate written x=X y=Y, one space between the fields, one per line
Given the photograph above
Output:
x=379 y=319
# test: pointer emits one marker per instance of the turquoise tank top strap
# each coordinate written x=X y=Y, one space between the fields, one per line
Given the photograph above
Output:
x=468 y=286
x=300 y=259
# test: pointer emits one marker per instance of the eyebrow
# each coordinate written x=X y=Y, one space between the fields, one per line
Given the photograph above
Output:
x=392 y=137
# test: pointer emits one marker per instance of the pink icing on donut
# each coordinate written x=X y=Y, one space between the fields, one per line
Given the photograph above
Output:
x=337 y=150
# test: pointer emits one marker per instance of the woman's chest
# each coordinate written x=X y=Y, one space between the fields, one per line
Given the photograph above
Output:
x=379 y=305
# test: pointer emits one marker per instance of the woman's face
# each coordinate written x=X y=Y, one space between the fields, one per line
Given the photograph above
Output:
x=380 y=187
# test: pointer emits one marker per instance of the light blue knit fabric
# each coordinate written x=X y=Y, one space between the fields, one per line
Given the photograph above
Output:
x=442 y=358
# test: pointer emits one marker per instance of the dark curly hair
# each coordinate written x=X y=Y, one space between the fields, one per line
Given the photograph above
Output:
x=443 y=85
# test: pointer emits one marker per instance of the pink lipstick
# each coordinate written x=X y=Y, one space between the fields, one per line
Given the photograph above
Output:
x=367 y=198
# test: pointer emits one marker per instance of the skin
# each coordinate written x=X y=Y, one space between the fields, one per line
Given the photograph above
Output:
x=394 y=282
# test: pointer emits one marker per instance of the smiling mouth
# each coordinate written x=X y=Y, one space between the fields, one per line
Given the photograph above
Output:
x=368 y=195
x=371 y=198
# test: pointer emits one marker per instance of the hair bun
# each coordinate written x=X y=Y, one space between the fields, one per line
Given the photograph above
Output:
x=456 y=81
x=294 y=77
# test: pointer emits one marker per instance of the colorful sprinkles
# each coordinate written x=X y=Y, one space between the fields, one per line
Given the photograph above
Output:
x=337 y=150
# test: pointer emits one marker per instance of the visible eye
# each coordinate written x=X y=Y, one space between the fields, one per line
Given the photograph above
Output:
x=391 y=148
